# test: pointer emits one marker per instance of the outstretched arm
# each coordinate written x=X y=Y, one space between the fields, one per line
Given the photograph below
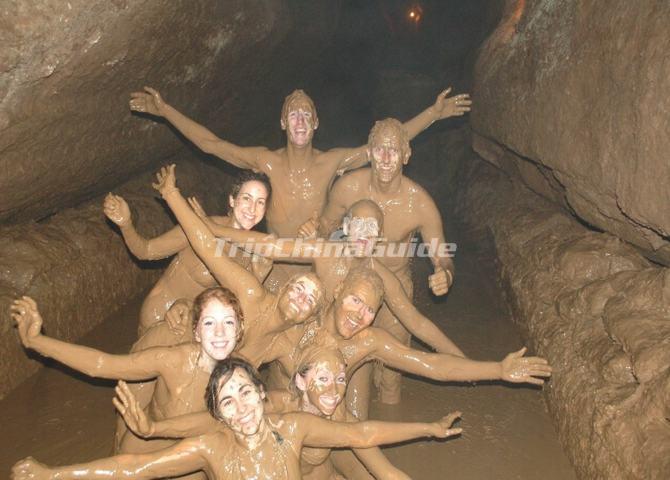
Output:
x=442 y=108
x=150 y=101
x=135 y=366
x=418 y=325
x=227 y=272
x=514 y=368
x=350 y=158
x=189 y=425
x=163 y=246
x=319 y=432
x=185 y=457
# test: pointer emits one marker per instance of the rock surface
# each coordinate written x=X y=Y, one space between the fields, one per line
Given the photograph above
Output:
x=67 y=68
x=598 y=311
x=77 y=268
x=572 y=98
x=67 y=134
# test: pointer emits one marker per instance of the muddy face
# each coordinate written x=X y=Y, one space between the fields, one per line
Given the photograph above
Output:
x=300 y=121
x=363 y=233
x=325 y=383
x=300 y=299
x=241 y=404
x=356 y=308
x=387 y=157
x=248 y=207
x=217 y=330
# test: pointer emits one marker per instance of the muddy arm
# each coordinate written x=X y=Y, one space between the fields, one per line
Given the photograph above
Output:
x=319 y=432
x=150 y=101
x=418 y=325
x=185 y=457
x=514 y=368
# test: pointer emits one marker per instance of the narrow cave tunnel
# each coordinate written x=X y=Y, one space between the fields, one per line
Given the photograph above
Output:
x=554 y=189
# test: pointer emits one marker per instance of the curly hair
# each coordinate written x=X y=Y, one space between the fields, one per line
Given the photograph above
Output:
x=226 y=297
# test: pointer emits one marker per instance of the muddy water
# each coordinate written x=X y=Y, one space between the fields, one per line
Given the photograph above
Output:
x=60 y=417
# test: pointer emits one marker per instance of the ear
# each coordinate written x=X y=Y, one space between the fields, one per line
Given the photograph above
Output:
x=196 y=333
x=316 y=123
x=231 y=201
x=408 y=153
x=300 y=382
x=282 y=122
x=263 y=395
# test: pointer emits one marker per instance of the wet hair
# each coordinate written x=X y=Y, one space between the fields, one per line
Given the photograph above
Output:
x=295 y=95
x=366 y=202
x=250 y=176
x=317 y=281
x=224 y=296
x=308 y=358
x=365 y=274
x=222 y=372
x=396 y=128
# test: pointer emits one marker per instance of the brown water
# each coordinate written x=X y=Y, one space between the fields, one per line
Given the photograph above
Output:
x=60 y=417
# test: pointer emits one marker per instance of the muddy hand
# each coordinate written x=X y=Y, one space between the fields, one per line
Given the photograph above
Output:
x=28 y=319
x=310 y=227
x=166 y=180
x=443 y=426
x=452 y=106
x=148 y=101
x=30 y=469
x=519 y=369
x=178 y=316
x=117 y=210
x=440 y=281
x=130 y=410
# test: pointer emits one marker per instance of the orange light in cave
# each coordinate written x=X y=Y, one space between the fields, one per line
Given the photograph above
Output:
x=415 y=13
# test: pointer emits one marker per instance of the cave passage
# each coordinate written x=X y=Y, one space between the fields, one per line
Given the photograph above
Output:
x=61 y=417
x=555 y=196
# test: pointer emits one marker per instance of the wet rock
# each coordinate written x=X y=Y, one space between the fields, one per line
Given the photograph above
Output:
x=599 y=311
x=67 y=68
x=76 y=266
x=571 y=98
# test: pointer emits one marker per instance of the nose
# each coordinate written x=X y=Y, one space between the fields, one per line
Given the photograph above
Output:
x=219 y=330
x=300 y=120
x=252 y=207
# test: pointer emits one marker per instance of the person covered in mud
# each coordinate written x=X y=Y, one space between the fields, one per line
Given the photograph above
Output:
x=266 y=314
x=250 y=443
x=186 y=276
x=300 y=174
x=317 y=387
x=332 y=260
x=181 y=371
x=408 y=209
x=346 y=325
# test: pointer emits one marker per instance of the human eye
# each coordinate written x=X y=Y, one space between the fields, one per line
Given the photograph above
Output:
x=356 y=300
x=342 y=378
x=371 y=310
x=323 y=379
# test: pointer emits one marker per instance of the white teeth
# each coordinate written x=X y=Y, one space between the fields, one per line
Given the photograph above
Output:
x=247 y=418
x=219 y=344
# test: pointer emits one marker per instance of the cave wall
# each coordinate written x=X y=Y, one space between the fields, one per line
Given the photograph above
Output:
x=67 y=68
x=573 y=98
x=68 y=137
x=597 y=310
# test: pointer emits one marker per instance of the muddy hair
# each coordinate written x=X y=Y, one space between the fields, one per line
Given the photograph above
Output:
x=367 y=275
x=396 y=128
x=295 y=95
x=250 y=176
x=224 y=296
x=317 y=281
x=222 y=372
x=308 y=358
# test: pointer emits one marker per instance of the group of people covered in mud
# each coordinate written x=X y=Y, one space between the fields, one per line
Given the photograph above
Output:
x=301 y=300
